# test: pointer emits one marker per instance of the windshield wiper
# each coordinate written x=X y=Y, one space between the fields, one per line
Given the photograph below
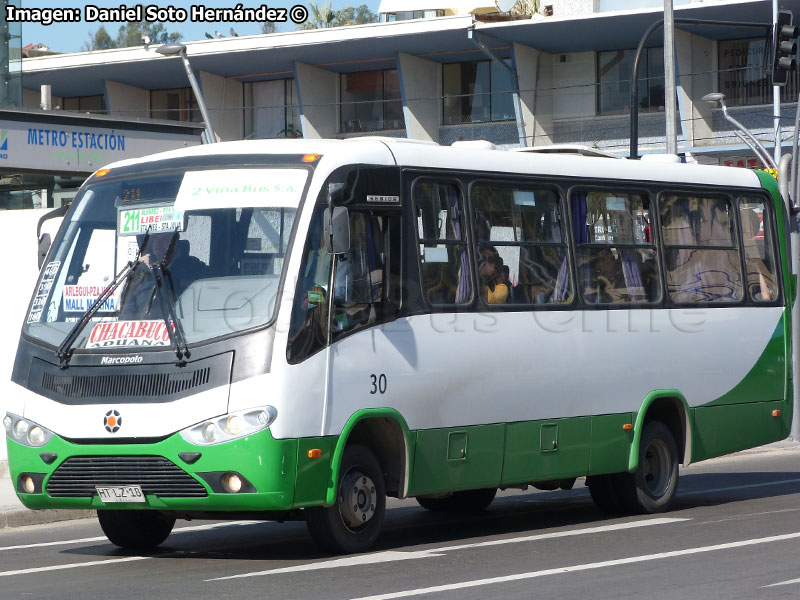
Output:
x=64 y=352
x=166 y=296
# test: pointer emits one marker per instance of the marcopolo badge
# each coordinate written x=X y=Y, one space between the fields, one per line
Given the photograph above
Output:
x=112 y=421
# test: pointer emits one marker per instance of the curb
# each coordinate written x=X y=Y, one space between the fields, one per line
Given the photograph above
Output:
x=21 y=518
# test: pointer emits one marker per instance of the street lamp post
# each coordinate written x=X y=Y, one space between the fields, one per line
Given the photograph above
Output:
x=743 y=133
x=178 y=49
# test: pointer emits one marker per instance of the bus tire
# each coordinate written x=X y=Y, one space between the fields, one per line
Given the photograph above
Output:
x=466 y=501
x=137 y=529
x=651 y=488
x=354 y=523
x=603 y=489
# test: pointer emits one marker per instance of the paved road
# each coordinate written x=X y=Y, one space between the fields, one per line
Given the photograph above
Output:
x=735 y=533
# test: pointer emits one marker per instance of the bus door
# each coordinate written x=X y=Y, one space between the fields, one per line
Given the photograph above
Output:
x=367 y=359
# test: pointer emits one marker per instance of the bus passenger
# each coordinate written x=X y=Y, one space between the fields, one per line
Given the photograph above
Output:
x=494 y=283
x=608 y=278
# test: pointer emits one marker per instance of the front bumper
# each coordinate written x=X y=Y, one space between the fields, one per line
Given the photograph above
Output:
x=269 y=465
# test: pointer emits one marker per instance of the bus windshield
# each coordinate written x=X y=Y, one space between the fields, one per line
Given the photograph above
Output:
x=216 y=240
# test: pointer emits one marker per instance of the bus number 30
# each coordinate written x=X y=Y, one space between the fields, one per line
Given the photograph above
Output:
x=378 y=384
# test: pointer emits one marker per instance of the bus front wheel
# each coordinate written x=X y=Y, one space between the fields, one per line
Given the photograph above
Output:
x=651 y=488
x=352 y=524
x=139 y=529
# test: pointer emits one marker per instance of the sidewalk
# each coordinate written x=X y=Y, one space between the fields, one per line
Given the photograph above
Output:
x=14 y=514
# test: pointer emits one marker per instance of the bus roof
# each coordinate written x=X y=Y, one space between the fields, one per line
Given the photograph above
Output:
x=414 y=153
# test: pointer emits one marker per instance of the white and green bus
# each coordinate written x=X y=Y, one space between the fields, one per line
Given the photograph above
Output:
x=299 y=329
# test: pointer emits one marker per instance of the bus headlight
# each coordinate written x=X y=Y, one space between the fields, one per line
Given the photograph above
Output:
x=231 y=426
x=25 y=431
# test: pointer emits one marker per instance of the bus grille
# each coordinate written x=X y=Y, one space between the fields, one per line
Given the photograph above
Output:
x=78 y=476
x=130 y=384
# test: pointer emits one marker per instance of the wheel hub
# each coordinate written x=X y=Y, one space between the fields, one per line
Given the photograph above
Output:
x=357 y=499
x=656 y=468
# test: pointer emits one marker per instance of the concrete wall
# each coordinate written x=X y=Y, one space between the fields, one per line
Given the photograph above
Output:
x=318 y=93
x=127 y=101
x=569 y=8
x=696 y=59
x=575 y=81
x=420 y=85
x=535 y=75
x=224 y=100
x=19 y=241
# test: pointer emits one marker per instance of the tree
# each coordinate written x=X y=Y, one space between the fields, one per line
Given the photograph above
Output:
x=268 y=27
x=132 y=32
x=356 y=16
x=99 y=40
x=526 y=7
x=320 y=16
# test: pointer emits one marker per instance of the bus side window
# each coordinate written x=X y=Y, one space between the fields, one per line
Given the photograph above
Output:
x=701 y=254
x=519 y=229
x=759 y=254
x=360 y=273
x=441 y=227
x=616 y=255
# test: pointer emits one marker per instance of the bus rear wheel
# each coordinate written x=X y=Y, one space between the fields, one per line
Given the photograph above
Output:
x=464 y=501
x=651 y=488
x=605 y=493
x=136 y=529
x=354 y=523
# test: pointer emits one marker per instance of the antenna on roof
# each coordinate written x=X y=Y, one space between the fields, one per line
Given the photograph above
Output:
x=505 y=6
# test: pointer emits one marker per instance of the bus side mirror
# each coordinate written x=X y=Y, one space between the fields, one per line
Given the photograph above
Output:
x=44 y=247
x=336 y=221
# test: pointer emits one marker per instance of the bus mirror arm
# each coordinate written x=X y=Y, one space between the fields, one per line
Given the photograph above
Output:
x=44 y=238
x=44 y=247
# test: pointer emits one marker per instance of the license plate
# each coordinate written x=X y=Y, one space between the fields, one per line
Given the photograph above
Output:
x=121 y=493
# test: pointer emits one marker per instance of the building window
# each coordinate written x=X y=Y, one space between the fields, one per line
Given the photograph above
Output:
x=175 y=105
x=92 y=104
x=405 y=15
x=742 y=77
x=615 y=70
x=371 y=101
x=272 y=109
x=477 y=92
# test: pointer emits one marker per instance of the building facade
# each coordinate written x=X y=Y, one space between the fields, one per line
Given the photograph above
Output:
x=455 y=72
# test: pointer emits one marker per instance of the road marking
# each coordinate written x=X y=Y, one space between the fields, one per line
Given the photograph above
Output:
x=577 y=568
x=790 y=582
x=738 y=487
x=748 y=516
x=569 y=533
x=72 y=565
x=382 y=557
x=103 y=538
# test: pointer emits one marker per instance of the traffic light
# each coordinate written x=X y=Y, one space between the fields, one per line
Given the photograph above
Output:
x=784 y=48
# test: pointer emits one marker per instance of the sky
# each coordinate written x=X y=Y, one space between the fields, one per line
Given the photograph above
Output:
x=70 y=37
